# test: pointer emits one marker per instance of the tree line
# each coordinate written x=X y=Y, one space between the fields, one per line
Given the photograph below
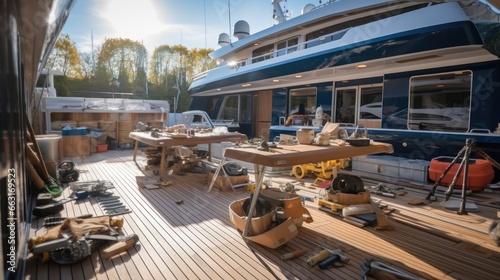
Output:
x=122 y=66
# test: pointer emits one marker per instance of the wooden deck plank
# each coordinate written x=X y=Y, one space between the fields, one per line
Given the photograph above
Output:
x=116 y=265
x=183 y=263
x=196 y=240
x=224 y=216
x=226 y=227
x=195 y=215
x=210 y=248
x=148 y=263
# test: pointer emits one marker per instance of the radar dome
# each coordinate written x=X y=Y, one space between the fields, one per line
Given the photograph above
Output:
x=241 y=29
x=307 y=8
x=223 y=39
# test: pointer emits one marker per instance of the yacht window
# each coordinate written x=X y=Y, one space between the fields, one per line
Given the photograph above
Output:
x=236 y=108
x=287 y=46
x=229 y=109
x=335 y=32
x=370 y=103
x=345 y=106
x=210 y=105
x=440 y=102
x=303 y=102
x=245 y=109
x=262 y=53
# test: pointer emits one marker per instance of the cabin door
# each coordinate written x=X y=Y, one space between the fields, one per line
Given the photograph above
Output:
x=345 y=105
x=262 y=113
x=359 y=105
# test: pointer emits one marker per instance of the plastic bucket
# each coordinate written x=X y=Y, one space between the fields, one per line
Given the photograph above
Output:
x=111 y=143
x=49 y=146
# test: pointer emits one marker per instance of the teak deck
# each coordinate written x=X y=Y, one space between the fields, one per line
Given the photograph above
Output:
x=196 y=240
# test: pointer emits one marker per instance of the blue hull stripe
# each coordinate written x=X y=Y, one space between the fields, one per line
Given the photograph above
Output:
x=420 y=40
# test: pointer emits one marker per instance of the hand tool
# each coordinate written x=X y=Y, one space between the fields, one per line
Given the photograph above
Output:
x=122 y=245
x=56 y=207
x=111 y=203
x=119 y=211
x=370 y=265
x=294 y=254
x=113 y=207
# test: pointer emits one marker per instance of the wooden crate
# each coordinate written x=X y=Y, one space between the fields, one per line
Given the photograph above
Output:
x=222 y=183
x=95 y=142
x=350 y=199
x=126 y=125
x=89 y=124
x=76 y=146
x=111 y=134
x=107 y=125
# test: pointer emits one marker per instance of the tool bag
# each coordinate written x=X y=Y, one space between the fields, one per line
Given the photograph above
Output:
x=262 y=207
x=290 y=203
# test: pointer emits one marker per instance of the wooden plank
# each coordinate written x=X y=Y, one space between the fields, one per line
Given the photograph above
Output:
x=196 y=240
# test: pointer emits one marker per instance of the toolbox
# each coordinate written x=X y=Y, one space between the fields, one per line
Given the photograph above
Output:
x=479 y=175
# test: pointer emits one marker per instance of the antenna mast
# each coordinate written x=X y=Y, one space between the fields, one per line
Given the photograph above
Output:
x=278 y=13
x=229 y=19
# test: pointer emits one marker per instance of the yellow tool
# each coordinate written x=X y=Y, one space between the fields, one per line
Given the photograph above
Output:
x=322 y=255
x=116 y=221
x=323 y=169
x=331 y=205
x=166 y=183
x=250 y=188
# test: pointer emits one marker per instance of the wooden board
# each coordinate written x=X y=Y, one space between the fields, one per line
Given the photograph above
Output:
x=76 y=146
x=196 y=240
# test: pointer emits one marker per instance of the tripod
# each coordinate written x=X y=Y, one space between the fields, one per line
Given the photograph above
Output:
x=470 y=146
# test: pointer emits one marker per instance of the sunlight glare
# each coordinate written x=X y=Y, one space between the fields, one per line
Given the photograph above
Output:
x=133 y=19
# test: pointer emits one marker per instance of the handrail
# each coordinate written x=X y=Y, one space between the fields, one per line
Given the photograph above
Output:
x=328 y=38
x=334 y=36
x=480 y=130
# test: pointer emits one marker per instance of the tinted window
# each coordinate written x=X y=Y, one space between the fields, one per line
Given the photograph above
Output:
x=440 y=102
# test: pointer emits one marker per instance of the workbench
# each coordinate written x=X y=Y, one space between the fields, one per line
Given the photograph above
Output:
x=290 y=155
x=167 y=140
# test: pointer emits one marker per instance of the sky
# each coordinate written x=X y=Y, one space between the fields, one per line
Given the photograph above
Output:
x=191 y=23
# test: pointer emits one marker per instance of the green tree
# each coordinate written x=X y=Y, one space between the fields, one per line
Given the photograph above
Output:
x=172 y=69
x=65 y=57
x=88 y=64
x=200 y=62
x=123 y=61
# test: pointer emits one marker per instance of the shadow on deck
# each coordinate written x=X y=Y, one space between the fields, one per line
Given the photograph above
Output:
x=196 y=240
